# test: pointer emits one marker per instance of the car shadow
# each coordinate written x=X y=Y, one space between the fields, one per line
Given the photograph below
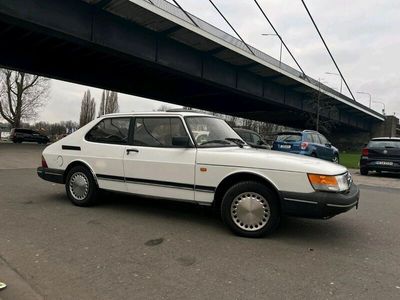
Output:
x=291 y=229
x=384 y=174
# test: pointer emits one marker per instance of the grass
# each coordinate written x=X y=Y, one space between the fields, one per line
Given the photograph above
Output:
x=350 y=159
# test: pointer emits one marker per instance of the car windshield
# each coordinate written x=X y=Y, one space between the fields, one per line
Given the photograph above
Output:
x=384 y=144
x=212 y=132
x=290 y=137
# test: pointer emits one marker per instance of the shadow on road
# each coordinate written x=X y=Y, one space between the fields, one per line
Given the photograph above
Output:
x=320 y=232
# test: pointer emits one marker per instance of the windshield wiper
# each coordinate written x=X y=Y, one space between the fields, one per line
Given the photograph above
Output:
x=238 y=142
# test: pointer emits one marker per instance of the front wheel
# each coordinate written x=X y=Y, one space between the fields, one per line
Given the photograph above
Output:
x=81 y=187
x=250 y=209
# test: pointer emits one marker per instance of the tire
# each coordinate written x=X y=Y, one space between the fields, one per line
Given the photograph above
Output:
x=364 y=171
x=314 y=155
x=264 y=218
x=81 y=187
x=335 y=159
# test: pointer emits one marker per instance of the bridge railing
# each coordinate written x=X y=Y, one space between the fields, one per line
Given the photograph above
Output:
x=211 y=29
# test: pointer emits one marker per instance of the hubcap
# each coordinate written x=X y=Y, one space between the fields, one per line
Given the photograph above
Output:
x=336 y=160
x=79 y=186
x=250 y=211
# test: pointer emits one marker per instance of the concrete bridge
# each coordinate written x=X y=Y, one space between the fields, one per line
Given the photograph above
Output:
x=150 y=48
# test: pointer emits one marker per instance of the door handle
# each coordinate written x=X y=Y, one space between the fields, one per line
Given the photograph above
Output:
x=131 y=150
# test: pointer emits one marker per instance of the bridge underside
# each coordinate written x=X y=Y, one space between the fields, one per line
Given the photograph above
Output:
x=82 y=43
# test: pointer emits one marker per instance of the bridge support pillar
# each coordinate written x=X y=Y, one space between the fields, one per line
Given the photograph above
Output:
x=386 y=128
x=354 y=140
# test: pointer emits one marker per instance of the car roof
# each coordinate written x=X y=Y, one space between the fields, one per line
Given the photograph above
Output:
x=386 y=138
x=245 y=130
x=182 y=113
x=297 y=131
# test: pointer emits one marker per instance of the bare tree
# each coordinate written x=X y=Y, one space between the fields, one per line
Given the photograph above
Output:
x=163 y=107
x=109 y=103
x=322 y=111
x=21 y=96
x=88 y=109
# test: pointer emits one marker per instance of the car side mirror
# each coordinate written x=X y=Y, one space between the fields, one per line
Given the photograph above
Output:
x=328 y=145
x=180 y=141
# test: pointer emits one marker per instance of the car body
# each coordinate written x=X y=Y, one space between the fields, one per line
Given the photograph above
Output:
x=157 y=155
x=381 y=154
x=19 y=135
x=252 y=138
x=306 y=142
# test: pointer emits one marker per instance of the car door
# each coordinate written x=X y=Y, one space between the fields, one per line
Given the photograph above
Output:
x=317 y=144
x=328 y=151
x=104 y=152
x=156 y=166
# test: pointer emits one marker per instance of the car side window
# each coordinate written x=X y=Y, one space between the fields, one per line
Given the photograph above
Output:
x=246 y=136
x=315 y=138
x=323 y=139
x=255 y=138
x=157 y=131
x=110 y=131
x=307 y=138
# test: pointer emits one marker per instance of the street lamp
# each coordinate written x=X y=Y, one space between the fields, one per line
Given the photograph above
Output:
x=368 y=95
x=280 y=52
x=384 y=106
x=341 y=79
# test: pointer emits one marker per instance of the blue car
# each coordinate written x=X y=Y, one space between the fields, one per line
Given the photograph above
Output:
x=306 y=142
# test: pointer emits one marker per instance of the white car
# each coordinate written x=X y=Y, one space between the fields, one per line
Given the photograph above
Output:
x=155 y=154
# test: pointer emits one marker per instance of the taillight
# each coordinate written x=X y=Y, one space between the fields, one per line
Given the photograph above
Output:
x=365 y=152
x=304 y=145
x=44 y=163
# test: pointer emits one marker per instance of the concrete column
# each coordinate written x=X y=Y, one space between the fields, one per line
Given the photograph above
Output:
x=387 y=128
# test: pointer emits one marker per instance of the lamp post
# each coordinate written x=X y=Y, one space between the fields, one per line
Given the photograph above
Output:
x=370 y=97
x=280 y=52
x=341 y=79
x=384 y=106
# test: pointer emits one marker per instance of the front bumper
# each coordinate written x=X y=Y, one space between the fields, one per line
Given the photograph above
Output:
x=320 y=205
x=52 y=175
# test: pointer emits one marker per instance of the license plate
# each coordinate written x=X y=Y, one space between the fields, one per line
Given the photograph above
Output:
x=384 y=163
x=285 y=146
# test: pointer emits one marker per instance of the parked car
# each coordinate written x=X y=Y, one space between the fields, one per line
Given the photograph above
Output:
x=156 y=155
x=306 y=142
x=19 y=135
x=252 y=138
x=381 y=154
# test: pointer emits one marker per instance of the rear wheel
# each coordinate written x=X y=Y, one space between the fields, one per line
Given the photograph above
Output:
x=364 y=171
x=314 y=154
x=81 y=187
x=250 y=209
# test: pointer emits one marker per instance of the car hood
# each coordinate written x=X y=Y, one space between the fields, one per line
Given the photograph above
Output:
x=266 y=159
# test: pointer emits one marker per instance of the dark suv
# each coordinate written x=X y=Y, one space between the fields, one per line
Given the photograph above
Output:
x=381 y=154
x=19 y=135
x=306 y=142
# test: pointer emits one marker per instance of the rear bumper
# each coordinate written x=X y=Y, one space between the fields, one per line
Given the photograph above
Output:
x=319 y=205
x=371 y=165
x=52 y=175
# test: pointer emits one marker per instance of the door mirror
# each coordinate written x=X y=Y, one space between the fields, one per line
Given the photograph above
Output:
x=180 y=141
x=328 y=145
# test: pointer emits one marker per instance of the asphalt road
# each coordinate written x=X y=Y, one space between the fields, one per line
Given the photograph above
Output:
x=131 y=248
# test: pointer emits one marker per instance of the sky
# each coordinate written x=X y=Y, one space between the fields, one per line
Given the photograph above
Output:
x=362 y=35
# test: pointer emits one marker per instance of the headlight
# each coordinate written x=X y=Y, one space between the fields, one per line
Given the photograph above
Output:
x=327 y=183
